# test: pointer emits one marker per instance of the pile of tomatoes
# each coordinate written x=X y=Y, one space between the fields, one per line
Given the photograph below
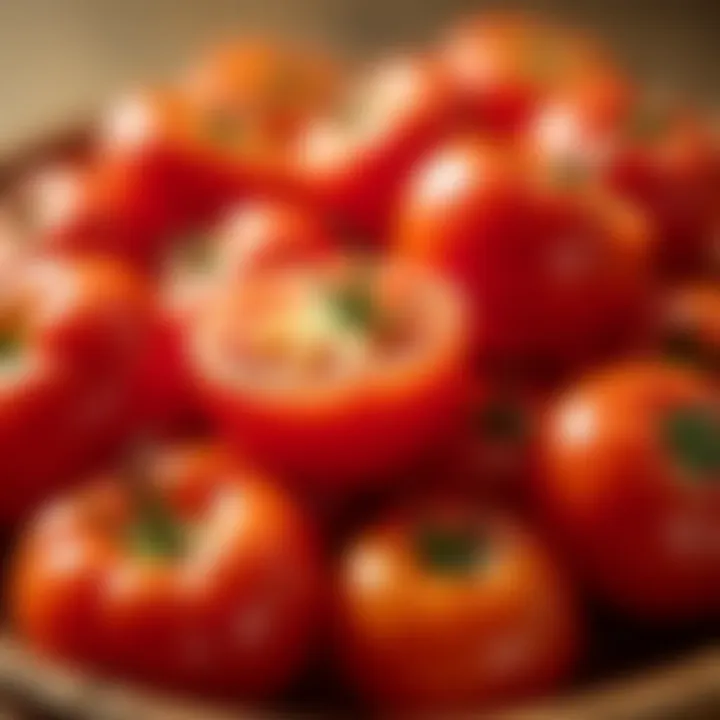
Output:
x=395 y=365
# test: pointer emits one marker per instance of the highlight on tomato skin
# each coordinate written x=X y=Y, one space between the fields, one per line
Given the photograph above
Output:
x=630 y=462
x=185 y=569
x=337 y=374
x=445 y=606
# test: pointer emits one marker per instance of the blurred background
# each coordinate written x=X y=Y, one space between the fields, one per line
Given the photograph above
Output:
x=59 y=59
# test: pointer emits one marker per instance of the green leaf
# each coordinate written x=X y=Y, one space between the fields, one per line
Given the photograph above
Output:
x=449 y=550
x=692 y=435
x=156 y=531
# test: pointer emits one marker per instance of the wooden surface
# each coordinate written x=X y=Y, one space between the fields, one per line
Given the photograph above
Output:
x=59 y=59
x=687 y=690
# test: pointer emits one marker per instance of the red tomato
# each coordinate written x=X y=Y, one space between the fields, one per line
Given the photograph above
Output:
x=95 y=208
x=276 y=85
x=256 y=236
x=503 y=66
x=195 y=156
x=630 y=470
x=194 y=573
x=556 y=270
x=355 y=160
x=664 y=159
x=337 y=374
x=669 y=163
x=689 y=326
x=448 y=607
x=72 y=335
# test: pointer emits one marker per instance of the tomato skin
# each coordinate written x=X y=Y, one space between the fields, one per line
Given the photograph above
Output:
x=415 y=639
x=183 y=623
x=504 y=66
x=349 y=434
x=547 y=269
x=79 y=328
x=353 y=166
x=192 y=156
x=643 y=534
x=97 y=207
x=675 y=178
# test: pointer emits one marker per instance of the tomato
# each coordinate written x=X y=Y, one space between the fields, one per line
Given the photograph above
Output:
x=660 y=156
x=71 y=338
x=449 y=607
x=354 y=161
x=195 y=156
x=629 y=479
x=96 y=207
x=186 y=571
x=337 y=374
x=556 y=269
x=504 y=66
x=276 y=85
x=689 y=325
x=254 y=237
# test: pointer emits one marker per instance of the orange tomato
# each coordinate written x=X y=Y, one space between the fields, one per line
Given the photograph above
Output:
x=447 y=607
x=629 y=478
x=186 y=571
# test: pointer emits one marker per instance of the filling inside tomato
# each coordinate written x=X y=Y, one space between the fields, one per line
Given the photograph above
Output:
x=301 y=328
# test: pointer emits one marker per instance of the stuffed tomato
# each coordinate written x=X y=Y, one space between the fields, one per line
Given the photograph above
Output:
x=340 y=372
